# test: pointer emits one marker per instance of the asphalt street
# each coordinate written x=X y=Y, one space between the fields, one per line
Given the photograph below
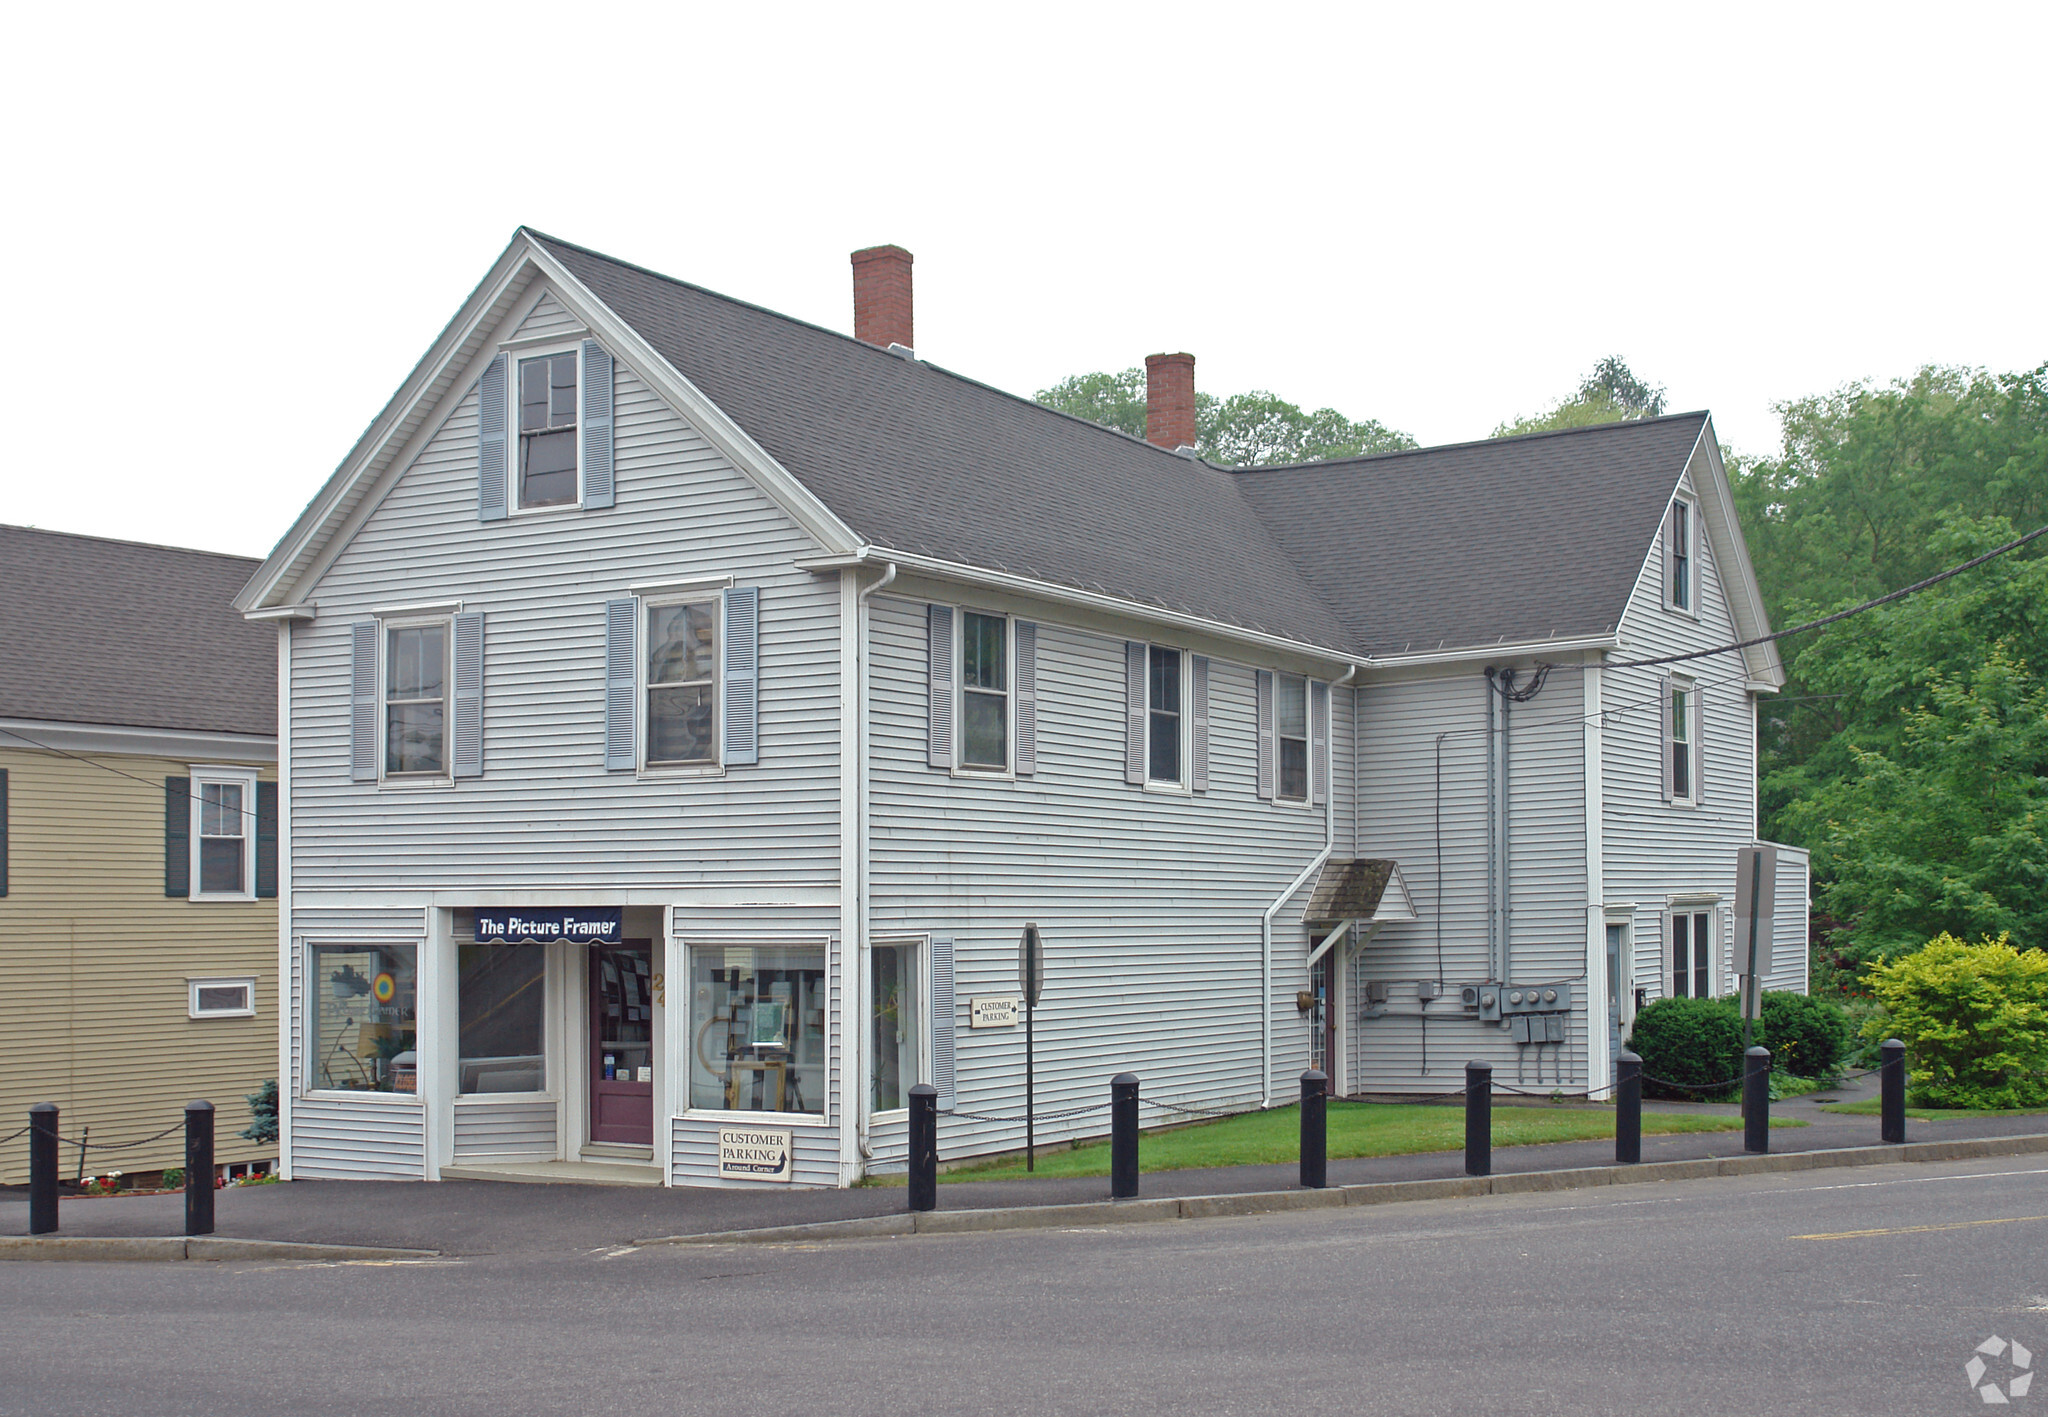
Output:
x=1862 y=1291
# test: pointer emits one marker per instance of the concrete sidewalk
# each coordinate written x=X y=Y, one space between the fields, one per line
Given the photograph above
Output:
x=483 y=1217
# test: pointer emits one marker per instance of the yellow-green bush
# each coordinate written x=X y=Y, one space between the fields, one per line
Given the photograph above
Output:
x=1974 y=1019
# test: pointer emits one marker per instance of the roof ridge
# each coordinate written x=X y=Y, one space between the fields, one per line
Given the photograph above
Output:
x=858 y=343
x=122 y=541
x=1615 y=425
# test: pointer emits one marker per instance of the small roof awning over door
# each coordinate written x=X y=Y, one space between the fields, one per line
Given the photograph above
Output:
x=1368 y=891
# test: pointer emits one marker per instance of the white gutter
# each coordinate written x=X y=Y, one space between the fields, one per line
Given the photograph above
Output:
x=1091 y=600
x=1520 y=649
x=1266 y=919
x=854 y=950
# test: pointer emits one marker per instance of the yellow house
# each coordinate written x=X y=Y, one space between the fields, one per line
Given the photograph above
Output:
x=138 y=849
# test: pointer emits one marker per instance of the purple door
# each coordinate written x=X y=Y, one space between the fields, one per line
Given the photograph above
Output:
x=622 y=1043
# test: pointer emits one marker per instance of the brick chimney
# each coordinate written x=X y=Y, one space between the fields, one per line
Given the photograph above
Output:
x=1170 y=400
x=881 y=296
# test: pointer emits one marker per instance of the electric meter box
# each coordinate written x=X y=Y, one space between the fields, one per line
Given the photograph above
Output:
x=1534 y=998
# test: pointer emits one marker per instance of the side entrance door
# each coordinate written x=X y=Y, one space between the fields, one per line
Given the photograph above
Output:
x=622 y=1043
x=1326 y=982
x=1615 y=937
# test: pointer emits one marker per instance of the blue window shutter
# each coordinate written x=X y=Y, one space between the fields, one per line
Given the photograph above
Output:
x=362 y=723
x=178 y=836
x=1027 y=698
x=469 y=694
x=621 y=658
x=266 y=841
x=742 y=686
x=597 y=425
x=1697 y=701
x=1664 y=734
x=939 y=687
x=491 y=426
x=1319 y=744
x=944 y=1007
x=1269 y=742
x=1134 y=713
x=1199 y=768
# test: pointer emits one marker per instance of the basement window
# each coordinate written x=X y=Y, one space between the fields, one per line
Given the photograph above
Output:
x=220 y=998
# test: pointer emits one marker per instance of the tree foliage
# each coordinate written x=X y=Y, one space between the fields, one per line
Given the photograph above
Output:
x=1254 y=429
x=1974 y=1019
x=1610 y=394
x=1906 y=749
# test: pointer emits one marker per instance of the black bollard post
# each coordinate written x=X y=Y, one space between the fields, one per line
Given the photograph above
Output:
x=42 y=1168
x=924 y=1147
x=1315 y=1133
x=1123 y=1136
x=1628 y=1108
x=1891 y=1084
x=199 y=1168
x=1756 y=1099
x=1478 y=1119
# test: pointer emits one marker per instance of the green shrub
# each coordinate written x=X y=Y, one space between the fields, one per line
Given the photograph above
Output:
x=1807 y=1036
x=1691 y=1041
x=1974 y=1019
x=173 y=1177
x=262 y=1113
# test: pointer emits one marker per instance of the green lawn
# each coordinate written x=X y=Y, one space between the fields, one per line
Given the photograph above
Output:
x=1355 y=1129
x=1871 y=1106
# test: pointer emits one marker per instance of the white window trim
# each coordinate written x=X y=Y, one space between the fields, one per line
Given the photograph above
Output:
x=244 y=778
x=194 y=984
x=1690 y=906
x=410 y=781
x=922 y=944
x=514 y=481
x=643 y=641
x=825 y=1116
x=1308 y=718
x=1694 y=766
x=1691 y=610
x=1008 y=771
x=1184 y=787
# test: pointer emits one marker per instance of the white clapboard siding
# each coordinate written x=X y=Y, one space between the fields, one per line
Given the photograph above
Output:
x=375 y=1137
x=546 y=813
x=1398 y=811
x=694 y=1154
x=1149 y=902
x=547 y=319
x=485 y=1129
x=1653 y=850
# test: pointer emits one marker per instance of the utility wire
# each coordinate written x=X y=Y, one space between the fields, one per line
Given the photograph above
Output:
x=248 y=812
x=1936 y=579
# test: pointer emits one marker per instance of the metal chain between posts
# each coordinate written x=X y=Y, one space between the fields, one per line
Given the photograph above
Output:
x=111 y=1145
x=1042 y=1116
x=1237 y=1110
x=12 y=1135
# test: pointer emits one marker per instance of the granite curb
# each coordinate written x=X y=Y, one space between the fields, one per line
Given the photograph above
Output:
x=196 y=1247
x=1037 y=1217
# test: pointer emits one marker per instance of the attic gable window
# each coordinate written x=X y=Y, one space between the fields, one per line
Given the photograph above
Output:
x=547 y=431
x=1678 y=556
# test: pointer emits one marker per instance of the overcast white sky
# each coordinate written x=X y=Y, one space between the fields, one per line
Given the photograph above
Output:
x=233 y=231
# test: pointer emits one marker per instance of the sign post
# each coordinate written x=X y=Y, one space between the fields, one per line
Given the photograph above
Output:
x=1031 y=983
x=1756 y=890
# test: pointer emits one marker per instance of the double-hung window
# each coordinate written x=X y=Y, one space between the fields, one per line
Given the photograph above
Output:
x=416 y=700
x=1163 y=716
x=547 y=431
x=1692 y=954
x=1678 y=557
x=1291 y=702
x=1684 y=711
x=223 y=834
x=984 y=691
x=682 y=684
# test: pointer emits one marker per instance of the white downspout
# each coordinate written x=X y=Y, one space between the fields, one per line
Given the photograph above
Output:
x=287 y=1080
x=1266 y=919
x=856 y=949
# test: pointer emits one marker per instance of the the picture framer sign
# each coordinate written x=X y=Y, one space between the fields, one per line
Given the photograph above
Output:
x=544 y=924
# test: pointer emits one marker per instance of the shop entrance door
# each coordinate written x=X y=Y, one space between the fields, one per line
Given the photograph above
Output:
x=622 y=1043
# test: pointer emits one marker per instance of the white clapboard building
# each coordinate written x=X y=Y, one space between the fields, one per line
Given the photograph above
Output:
x=684 y=709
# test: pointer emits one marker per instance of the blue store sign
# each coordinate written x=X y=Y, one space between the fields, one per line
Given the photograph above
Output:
x=539 y=924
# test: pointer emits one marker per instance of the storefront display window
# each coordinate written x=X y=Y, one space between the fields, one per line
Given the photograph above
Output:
x=757 y=1028
x=361 y=1024
x=502 y=995
x=898 y=1016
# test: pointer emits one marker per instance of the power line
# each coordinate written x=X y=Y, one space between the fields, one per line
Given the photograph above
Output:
x=248 y=812
x=1936 y=579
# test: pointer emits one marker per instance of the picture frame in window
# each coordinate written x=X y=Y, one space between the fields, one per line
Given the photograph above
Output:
x=222 y=996
x=222 y=833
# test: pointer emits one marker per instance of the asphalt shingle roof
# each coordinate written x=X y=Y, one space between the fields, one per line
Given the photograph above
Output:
x=1513 y=539
x=119 y=632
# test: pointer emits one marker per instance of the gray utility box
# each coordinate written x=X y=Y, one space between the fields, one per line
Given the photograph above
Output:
x=1536 y=1028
